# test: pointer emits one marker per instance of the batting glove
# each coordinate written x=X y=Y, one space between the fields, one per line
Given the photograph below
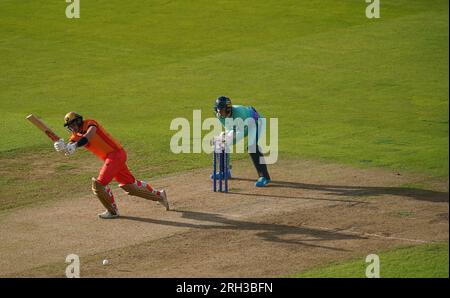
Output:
x=59 y=145
x=70 y=148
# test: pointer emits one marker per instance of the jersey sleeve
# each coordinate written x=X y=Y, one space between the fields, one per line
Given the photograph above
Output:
x=91 y=123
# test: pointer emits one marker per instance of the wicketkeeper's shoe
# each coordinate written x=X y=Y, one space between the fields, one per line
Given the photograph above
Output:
x=163 y=199
x=108 y=215
x=262 y=181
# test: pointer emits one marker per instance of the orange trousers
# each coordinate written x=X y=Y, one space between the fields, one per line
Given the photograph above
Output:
x=115 y=167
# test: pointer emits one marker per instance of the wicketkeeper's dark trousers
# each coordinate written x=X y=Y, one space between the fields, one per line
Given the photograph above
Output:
x=261 y=168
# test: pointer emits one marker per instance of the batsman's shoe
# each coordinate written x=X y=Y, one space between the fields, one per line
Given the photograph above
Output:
x=262 y=181
x=163 y=199
x=108 y=215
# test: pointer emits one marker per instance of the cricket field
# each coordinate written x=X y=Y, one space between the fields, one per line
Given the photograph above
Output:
x=362 y=105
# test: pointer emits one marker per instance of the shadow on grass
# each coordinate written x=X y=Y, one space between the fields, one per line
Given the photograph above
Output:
x=267 y=231
x=359 y=191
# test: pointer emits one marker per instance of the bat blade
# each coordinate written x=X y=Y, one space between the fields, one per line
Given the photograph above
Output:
x=42 y=126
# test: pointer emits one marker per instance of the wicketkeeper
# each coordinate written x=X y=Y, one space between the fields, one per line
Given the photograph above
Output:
x=223 y=110
x=91 y=135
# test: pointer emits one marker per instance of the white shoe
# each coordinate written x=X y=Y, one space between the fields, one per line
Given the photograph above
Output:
x=108 y=215
x=163 y=199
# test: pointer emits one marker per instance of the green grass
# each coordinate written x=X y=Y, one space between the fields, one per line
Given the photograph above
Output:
x=428 y=260
x=369 y=93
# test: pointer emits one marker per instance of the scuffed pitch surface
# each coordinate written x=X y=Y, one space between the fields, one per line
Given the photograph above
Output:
x=312 y=213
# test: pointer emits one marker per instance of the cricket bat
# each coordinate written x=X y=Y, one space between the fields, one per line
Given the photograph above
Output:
x=42 y=126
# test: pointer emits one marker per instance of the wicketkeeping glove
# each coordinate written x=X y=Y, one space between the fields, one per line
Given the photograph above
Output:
x=229 y=136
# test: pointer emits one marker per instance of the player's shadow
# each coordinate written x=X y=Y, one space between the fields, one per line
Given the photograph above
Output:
x=305 y=236
x=351 y=202
x=360 y=191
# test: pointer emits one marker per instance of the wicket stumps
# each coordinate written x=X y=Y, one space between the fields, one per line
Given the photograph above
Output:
x=222 y=157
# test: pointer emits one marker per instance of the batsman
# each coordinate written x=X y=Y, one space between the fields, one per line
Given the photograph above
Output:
x=91 y=135
x=225 y=110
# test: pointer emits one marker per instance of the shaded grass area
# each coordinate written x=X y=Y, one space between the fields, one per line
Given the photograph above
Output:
x=428 y=260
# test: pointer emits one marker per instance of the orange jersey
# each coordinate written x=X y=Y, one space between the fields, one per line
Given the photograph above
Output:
x=101 y=143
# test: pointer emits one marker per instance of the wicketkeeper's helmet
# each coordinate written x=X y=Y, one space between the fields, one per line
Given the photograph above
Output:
x=221 y=103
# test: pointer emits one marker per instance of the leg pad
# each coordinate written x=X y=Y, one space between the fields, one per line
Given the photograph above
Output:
x=141 y=189
x=104 y=197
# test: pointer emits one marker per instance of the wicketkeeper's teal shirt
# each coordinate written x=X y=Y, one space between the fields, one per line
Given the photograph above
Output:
x=243 y=113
